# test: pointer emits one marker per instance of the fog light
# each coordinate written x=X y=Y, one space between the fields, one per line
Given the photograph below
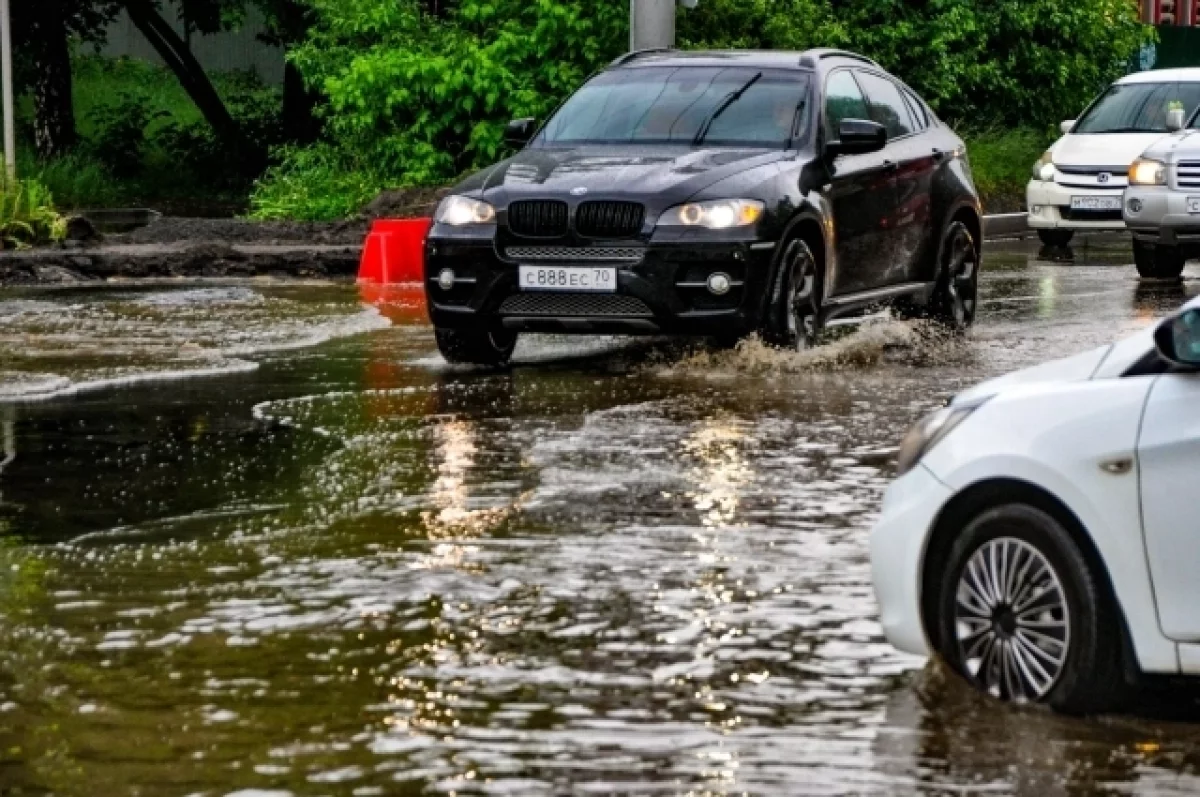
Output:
x=1036 y=210
x=1135 y=206
x=719 y=284
x=446 y=279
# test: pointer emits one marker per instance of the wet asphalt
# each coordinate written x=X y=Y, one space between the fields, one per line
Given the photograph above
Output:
x=258 y=541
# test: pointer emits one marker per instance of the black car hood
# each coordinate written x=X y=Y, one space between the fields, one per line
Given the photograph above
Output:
x=674 y=174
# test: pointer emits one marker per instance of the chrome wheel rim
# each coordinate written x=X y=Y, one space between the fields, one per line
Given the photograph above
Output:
x=1012 y=620
x=802 y=285
x=961 y=287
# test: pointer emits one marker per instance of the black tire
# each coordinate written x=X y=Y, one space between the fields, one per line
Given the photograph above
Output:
x=1158 y=262
x=1011 y=653
x=793 y=315
x=955 y=296
x=476 y=347
x=1056 y=239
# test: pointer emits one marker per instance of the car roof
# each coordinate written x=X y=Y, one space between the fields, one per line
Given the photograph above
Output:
x=776 y=59
x=1184 y=75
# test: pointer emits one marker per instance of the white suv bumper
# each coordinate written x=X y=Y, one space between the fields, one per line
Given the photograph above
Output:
x=1163 y=216
x=1050 y=207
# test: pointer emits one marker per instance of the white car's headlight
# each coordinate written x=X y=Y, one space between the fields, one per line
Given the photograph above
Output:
x=459 y=211
x=930 y=431
x=1044 y=168
x=1148 y=172
x=721 y=214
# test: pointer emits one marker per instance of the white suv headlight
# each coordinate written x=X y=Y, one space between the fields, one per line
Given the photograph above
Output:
x=721 y=214
x=460 y=211
x=1044 y=168
x=1148 y=172
x=930 y=431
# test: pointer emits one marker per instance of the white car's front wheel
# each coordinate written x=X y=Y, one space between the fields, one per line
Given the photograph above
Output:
x=1023 y=617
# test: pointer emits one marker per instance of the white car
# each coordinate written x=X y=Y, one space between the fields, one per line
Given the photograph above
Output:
x=1043 y=536
x=1077 y=183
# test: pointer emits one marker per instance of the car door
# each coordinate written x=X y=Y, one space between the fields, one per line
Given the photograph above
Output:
x=909 y=224
x=1169 y=468
x=861 y=192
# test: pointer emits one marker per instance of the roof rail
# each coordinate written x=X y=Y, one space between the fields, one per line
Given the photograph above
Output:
x=810 y=57
x=630 y=56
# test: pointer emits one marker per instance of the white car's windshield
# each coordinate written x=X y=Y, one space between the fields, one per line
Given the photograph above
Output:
x=719 y=106
x=1138 y=107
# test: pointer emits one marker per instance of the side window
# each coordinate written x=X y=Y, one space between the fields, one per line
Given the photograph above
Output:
x=918 y=109
x=843 y=100
x=887 y=106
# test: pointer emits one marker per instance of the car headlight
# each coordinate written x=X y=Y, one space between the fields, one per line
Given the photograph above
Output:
x=721 y=214
x=930 y=431
x=1148 y=172
x=459 y=211
x=1044 y=168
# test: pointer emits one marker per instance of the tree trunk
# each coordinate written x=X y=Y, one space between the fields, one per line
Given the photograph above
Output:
x=54 y=115
x=179 y=59
x=299 y=106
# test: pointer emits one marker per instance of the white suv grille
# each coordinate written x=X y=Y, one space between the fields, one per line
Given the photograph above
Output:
x=1187 y=174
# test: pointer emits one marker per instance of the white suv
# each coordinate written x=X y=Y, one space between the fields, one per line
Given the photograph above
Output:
x=1077 y=184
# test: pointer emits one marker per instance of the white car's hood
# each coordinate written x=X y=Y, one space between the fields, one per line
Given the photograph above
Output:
x=1103 y=149
x=1077 y=368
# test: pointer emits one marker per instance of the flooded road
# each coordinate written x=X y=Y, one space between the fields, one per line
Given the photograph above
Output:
x=334 y=566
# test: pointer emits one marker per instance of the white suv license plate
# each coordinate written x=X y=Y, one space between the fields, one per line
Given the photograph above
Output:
x=1095 y=203
x=1193 y=204
x=568 y=278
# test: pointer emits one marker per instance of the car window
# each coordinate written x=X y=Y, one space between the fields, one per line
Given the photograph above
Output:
x=731 y=106
x=888 y=108
x=1138 y=107
x=920 y=117
x=843 y=100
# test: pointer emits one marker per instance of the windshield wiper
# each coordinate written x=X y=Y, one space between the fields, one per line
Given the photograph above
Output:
x=730 y=99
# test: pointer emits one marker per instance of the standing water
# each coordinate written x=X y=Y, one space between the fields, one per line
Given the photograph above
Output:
x=334 y=565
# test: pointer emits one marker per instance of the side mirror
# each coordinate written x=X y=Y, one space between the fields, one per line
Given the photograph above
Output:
x=519 y=131
x=1175 y=119
x=857 y=137
x=1066 y=126
x=1178 y=339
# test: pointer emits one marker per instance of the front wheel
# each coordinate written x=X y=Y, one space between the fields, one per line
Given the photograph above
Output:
x=1023 y=617
x=1155 y=261
x=793 y=318
x=475 y=346
x=954 y=298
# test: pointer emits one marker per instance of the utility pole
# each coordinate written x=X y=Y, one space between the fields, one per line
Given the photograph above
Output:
x=6 y=93
x=651 y=24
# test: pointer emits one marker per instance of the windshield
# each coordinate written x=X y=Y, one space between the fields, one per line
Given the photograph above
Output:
x=1138 y=108
x=719 y=106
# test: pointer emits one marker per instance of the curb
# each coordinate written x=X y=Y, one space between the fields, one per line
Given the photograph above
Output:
x=1004 y=225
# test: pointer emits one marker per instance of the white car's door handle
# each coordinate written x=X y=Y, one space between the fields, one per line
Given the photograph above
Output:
x=1118 y=466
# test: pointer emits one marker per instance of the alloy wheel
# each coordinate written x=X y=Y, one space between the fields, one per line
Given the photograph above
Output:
x=801 y=304
x=1011 y=620
x=961 y=283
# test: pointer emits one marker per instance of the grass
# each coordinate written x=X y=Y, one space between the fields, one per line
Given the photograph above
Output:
x=1001 y=161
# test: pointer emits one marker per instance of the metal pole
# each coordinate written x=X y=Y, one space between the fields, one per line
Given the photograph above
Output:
x=651 y=24
x=6 y=76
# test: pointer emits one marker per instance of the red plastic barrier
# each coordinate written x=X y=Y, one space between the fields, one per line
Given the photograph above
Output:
x=394 y=251
x=403 y=303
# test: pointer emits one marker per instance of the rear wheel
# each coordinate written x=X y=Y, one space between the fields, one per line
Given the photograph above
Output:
x=1059 y=239
x=793 y=319
x=476 y=347
x=954 y=298
x=1023 y=617
x=1155 y=261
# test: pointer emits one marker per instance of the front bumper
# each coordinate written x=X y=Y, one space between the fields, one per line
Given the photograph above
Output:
x=1163 y=218
x=898 y=541
x=662 y=290
x=1050 y=207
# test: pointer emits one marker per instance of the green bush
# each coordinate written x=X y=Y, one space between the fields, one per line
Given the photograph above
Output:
x=1002 y=160
x=75 y=181
x=27 y=215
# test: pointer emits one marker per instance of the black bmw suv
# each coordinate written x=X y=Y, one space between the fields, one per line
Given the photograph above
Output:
x=710 y=193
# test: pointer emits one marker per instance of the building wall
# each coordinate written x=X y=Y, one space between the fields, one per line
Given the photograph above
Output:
x=220 y=52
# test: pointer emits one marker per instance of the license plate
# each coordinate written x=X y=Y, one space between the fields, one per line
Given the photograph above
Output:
x=568 y=278
x=1193 y=204
x=1095 y=203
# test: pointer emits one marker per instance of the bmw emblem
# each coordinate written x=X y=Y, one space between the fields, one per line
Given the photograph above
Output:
x=580 y=191
x=1103 y=177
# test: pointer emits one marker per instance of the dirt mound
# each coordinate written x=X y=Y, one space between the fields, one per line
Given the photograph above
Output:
x=174 y=230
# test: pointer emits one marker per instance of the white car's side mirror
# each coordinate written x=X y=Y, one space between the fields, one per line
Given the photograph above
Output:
x=1178 y=339
x=1066 y=126
x=1175 y=119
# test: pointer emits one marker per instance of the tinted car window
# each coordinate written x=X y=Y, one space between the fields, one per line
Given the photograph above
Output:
x=888 y=108
x=918 y=110
x=683 y=105
x=843 y=100
x=1138 y=107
